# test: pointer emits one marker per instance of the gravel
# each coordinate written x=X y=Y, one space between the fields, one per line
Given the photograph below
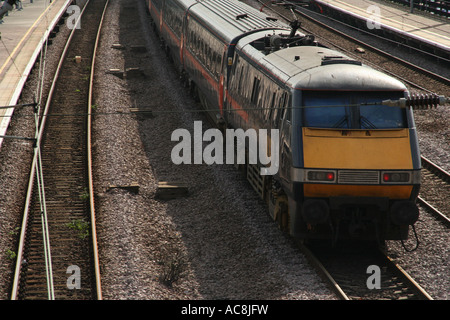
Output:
x=220 y=238
x=220 y=234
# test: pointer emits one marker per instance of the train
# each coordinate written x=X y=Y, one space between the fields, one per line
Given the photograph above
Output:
x=349 y=165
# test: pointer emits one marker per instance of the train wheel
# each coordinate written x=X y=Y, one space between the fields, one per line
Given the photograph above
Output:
x=282 y=213
x=194 y=92
x=184 y=78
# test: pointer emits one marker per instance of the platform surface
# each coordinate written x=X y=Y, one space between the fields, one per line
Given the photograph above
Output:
x=431 y=29
x=22 y=33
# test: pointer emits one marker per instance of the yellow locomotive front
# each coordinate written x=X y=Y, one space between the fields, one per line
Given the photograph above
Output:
x=356 y=162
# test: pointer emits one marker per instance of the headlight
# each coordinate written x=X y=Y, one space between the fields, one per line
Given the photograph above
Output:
x=356 y=177
x=321 y=176
x=398 y=177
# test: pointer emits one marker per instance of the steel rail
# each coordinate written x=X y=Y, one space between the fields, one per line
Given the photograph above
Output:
x=40 y=134
x=435 y=211
x=445 y=176
x=341 y=291
x=440 y=172
x=89 y=156
x=402 y=273
x=321 y=268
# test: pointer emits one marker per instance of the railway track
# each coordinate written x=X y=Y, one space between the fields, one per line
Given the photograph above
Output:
x=435 y=191
x=57 y=256
x=363 y=272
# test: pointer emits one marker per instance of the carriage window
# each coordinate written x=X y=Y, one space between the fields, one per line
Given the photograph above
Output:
x=234 y=67
x=255 y=90
x=276 y=110
x=241 y=77
x=213 y=63
x=283 y=104
x=208 y=57
x=218 y=63
x=288 y=108
x=272 y=104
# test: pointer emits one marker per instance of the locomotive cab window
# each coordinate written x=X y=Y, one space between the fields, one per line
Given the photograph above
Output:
x=346 y=110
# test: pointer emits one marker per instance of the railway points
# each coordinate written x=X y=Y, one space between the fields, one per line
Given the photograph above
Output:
x=23 y=34
x=421 y=30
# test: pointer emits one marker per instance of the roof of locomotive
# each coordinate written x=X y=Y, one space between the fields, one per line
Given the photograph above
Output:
x=325 y=69
x=229 y=19
x=319 y=68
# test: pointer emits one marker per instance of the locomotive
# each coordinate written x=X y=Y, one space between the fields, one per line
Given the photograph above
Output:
x=349 y=165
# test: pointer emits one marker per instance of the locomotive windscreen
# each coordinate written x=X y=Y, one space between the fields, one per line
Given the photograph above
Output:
x=347 y=110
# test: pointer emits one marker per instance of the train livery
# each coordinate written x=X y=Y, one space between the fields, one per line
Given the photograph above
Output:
x=349 y=166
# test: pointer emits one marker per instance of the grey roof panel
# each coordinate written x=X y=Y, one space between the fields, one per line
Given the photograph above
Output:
x=222 y=17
